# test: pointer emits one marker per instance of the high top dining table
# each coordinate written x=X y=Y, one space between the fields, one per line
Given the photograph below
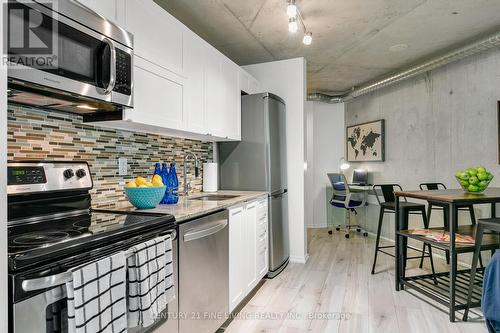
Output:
x=447 y=288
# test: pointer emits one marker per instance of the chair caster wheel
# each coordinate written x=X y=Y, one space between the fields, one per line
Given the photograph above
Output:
x=358 y=230
x=365 y=234
x=346 y=235
x=338 y=229
x=330 y=232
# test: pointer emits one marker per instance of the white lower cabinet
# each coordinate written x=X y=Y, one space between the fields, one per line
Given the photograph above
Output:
x=236 y=250
x=249 y=241
x=248 y=262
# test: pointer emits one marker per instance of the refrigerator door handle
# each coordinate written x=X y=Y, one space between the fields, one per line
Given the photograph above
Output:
x=278 y=193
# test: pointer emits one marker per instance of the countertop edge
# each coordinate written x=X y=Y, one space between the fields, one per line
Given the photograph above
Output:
x=233 y=203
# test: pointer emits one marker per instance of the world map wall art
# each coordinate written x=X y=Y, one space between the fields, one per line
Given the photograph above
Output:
x=365 y=142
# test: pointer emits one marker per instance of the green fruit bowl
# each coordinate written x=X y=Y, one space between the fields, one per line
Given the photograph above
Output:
x=474 y=180
x=145 y=197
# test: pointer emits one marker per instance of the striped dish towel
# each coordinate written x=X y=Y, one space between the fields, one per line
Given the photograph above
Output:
x=96 y=296
x=150 y=281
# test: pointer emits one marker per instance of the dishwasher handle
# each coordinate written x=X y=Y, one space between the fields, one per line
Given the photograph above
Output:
x=202 y=232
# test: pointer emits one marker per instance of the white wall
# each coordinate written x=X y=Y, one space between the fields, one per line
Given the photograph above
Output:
x=327 y=149
x=3 y=183
x=287 y=79
x=309 y=167
x=435 y=124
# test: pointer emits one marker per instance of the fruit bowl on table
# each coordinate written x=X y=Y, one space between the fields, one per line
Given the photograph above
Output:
x=145 y=197
x=474 y=180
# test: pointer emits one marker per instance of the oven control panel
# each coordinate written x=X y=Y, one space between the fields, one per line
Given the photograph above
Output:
x=32 y=177
x=26 y=175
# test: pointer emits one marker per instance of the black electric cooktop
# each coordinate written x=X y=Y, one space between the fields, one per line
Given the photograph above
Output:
x=44 y=240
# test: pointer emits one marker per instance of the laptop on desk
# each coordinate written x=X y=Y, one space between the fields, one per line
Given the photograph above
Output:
x=359 y=177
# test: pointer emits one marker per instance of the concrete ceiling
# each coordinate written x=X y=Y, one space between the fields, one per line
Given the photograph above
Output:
x=351 y=38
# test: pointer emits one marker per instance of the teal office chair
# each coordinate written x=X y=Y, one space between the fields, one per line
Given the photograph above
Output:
x=343 y=198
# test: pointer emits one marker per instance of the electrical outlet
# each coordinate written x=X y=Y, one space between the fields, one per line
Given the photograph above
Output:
x=122 y=166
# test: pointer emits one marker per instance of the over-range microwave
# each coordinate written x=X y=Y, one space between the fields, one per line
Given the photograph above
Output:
x=64 y=56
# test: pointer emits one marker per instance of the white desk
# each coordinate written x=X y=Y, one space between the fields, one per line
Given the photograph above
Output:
x=360 y=188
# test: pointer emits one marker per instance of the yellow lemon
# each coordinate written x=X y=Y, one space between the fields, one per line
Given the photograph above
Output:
x=157 y=182
x=157 y=177
x=140 y=181
x=148 y=184
x=131 y=184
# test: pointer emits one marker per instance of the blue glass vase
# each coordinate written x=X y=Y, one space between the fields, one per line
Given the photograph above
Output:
x=164 y=177
x=173 y=185
x=157 y=169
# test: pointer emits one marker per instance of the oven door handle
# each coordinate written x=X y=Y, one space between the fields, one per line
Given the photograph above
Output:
x=47 y=281
x=61 y=278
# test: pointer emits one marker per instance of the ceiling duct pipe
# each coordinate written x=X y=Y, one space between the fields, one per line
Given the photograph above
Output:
x=324 y=98
x=478 y=46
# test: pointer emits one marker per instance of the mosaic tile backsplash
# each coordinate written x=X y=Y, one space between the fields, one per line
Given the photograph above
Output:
x=49 y=135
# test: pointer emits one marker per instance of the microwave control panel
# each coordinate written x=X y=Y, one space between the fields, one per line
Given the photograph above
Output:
x=123 y=73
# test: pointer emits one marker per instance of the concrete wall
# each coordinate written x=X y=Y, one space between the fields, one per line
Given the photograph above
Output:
x=287 y=79
x=327 y=141
x=3 y=185
x=435 y=124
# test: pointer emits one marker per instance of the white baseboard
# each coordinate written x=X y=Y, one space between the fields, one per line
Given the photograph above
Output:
x=299 y=259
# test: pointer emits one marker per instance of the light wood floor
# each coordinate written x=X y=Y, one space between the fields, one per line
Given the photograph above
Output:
x=336 y=282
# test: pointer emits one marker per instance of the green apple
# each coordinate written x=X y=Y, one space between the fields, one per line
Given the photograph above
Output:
x=458 y=173
x=464 y=176
x=473 y=188
x=483 y=184
x=472 y=172
x=473 y=180
x=490 y=176
x=481 y=169
x=464 y=183
x=482 y=176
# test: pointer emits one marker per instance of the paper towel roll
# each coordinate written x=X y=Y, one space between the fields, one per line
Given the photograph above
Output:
x=210 y=177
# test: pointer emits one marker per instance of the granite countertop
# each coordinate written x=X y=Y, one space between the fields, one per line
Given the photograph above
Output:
x=189 y=209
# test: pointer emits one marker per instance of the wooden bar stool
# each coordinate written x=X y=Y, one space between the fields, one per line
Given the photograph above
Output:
x=446 y=213
x=388 y=205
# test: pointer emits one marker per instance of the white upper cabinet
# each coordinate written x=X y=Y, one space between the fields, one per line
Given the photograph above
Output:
x=183 y=86
x=248 y=84
x=157 y=34
x=157 y=97
x=231 y=100
x=195 y=49
x=212 y=91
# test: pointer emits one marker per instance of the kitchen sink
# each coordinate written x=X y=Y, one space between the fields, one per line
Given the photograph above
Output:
x=215 y=197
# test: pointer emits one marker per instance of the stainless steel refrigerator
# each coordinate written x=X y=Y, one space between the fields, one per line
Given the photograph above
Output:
x=258 y=163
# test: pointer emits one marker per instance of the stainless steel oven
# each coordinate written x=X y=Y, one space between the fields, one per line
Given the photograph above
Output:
x=91 y=69
x=42 y=305
x=52 y=228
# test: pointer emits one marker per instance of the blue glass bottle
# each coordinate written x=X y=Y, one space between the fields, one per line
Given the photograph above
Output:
x=157 y=169
x=164 y=177
x=173 y=196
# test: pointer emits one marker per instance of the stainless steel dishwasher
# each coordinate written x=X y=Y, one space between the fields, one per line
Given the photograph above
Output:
x=204 y=273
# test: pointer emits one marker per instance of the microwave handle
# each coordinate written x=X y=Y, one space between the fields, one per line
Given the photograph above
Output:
x=112 y=70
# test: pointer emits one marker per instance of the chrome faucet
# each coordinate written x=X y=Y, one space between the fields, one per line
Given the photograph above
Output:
x=196 y=171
